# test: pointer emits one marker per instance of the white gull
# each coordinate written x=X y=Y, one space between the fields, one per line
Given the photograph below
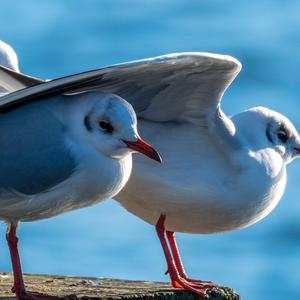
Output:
x=62 y=153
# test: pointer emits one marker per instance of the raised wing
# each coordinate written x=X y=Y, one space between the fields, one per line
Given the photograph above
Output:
x=174 y=87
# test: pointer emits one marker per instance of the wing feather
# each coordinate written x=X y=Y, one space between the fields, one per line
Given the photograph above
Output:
x=11 y=80
x=174 y=87
x=34 y=157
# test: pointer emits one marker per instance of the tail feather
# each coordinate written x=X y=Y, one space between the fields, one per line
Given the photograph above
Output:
x=11 y=79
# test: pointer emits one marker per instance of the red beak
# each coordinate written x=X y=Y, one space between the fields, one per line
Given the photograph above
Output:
x=144 y=148
x=297 y=150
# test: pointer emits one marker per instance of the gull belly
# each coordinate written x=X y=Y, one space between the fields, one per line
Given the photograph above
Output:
x=199 y=189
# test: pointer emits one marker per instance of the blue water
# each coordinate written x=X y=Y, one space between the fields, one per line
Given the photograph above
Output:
x=55 y=38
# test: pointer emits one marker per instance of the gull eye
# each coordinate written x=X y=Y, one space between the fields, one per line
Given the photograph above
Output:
x=104 y=125
x=282 y=135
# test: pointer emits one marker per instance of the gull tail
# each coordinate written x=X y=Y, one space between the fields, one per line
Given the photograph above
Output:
x=11 y=79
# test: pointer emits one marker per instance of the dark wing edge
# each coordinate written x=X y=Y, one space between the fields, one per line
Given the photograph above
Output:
x=148 y=84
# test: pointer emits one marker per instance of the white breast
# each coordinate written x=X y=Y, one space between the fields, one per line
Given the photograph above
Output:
x=95 y=179
x=198 y=189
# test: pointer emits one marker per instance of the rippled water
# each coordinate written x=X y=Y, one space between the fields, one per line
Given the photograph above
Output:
x=55 y=38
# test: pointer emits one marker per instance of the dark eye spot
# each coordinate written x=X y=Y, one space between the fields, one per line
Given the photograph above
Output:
x=282 y=135
x=87 y=123
x=104 y=125
x=268 y=133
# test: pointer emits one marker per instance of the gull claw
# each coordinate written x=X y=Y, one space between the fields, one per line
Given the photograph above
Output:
x=197 y=286
x=38 y=296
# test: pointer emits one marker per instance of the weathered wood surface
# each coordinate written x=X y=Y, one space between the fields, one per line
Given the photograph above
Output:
x=72 y=288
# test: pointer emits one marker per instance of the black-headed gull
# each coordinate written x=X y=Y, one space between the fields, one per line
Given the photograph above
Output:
x=62 y=153
x=220 y=173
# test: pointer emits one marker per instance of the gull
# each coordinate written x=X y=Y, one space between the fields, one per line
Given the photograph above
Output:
x=220 y=172
x=62 y=153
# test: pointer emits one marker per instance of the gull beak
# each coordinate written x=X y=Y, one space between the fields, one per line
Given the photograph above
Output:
x=297 y=150
x=144 y=148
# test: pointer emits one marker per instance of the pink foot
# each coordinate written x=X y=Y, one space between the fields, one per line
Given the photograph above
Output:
x=37 y=296
x=175 y=267
x=19 y=287
x=194 y=282
x=178 y=263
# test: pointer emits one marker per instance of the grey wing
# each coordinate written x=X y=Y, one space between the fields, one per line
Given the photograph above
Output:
x=12 y=80
x=174 y=87
x=10 y=77
x=33 y=156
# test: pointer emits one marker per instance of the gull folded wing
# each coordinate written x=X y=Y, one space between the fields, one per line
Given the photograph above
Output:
x=27 y=155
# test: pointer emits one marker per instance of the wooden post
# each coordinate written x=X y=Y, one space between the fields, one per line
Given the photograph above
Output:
x=73 y=288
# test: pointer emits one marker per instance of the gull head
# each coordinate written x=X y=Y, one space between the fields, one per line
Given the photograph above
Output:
x=261 y=127
x=109 y=123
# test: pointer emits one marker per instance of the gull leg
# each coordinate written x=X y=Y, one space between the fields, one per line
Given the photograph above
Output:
x=176 y=280
x=19 y=287
x=179 y=265
x=12 y=241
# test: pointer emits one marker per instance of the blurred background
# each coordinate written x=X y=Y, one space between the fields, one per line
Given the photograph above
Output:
x=55 y=38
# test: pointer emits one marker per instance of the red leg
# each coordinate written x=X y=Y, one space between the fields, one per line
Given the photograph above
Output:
x=12 y=240
x=19 y=287
x=177 y=280
x=178 y=262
